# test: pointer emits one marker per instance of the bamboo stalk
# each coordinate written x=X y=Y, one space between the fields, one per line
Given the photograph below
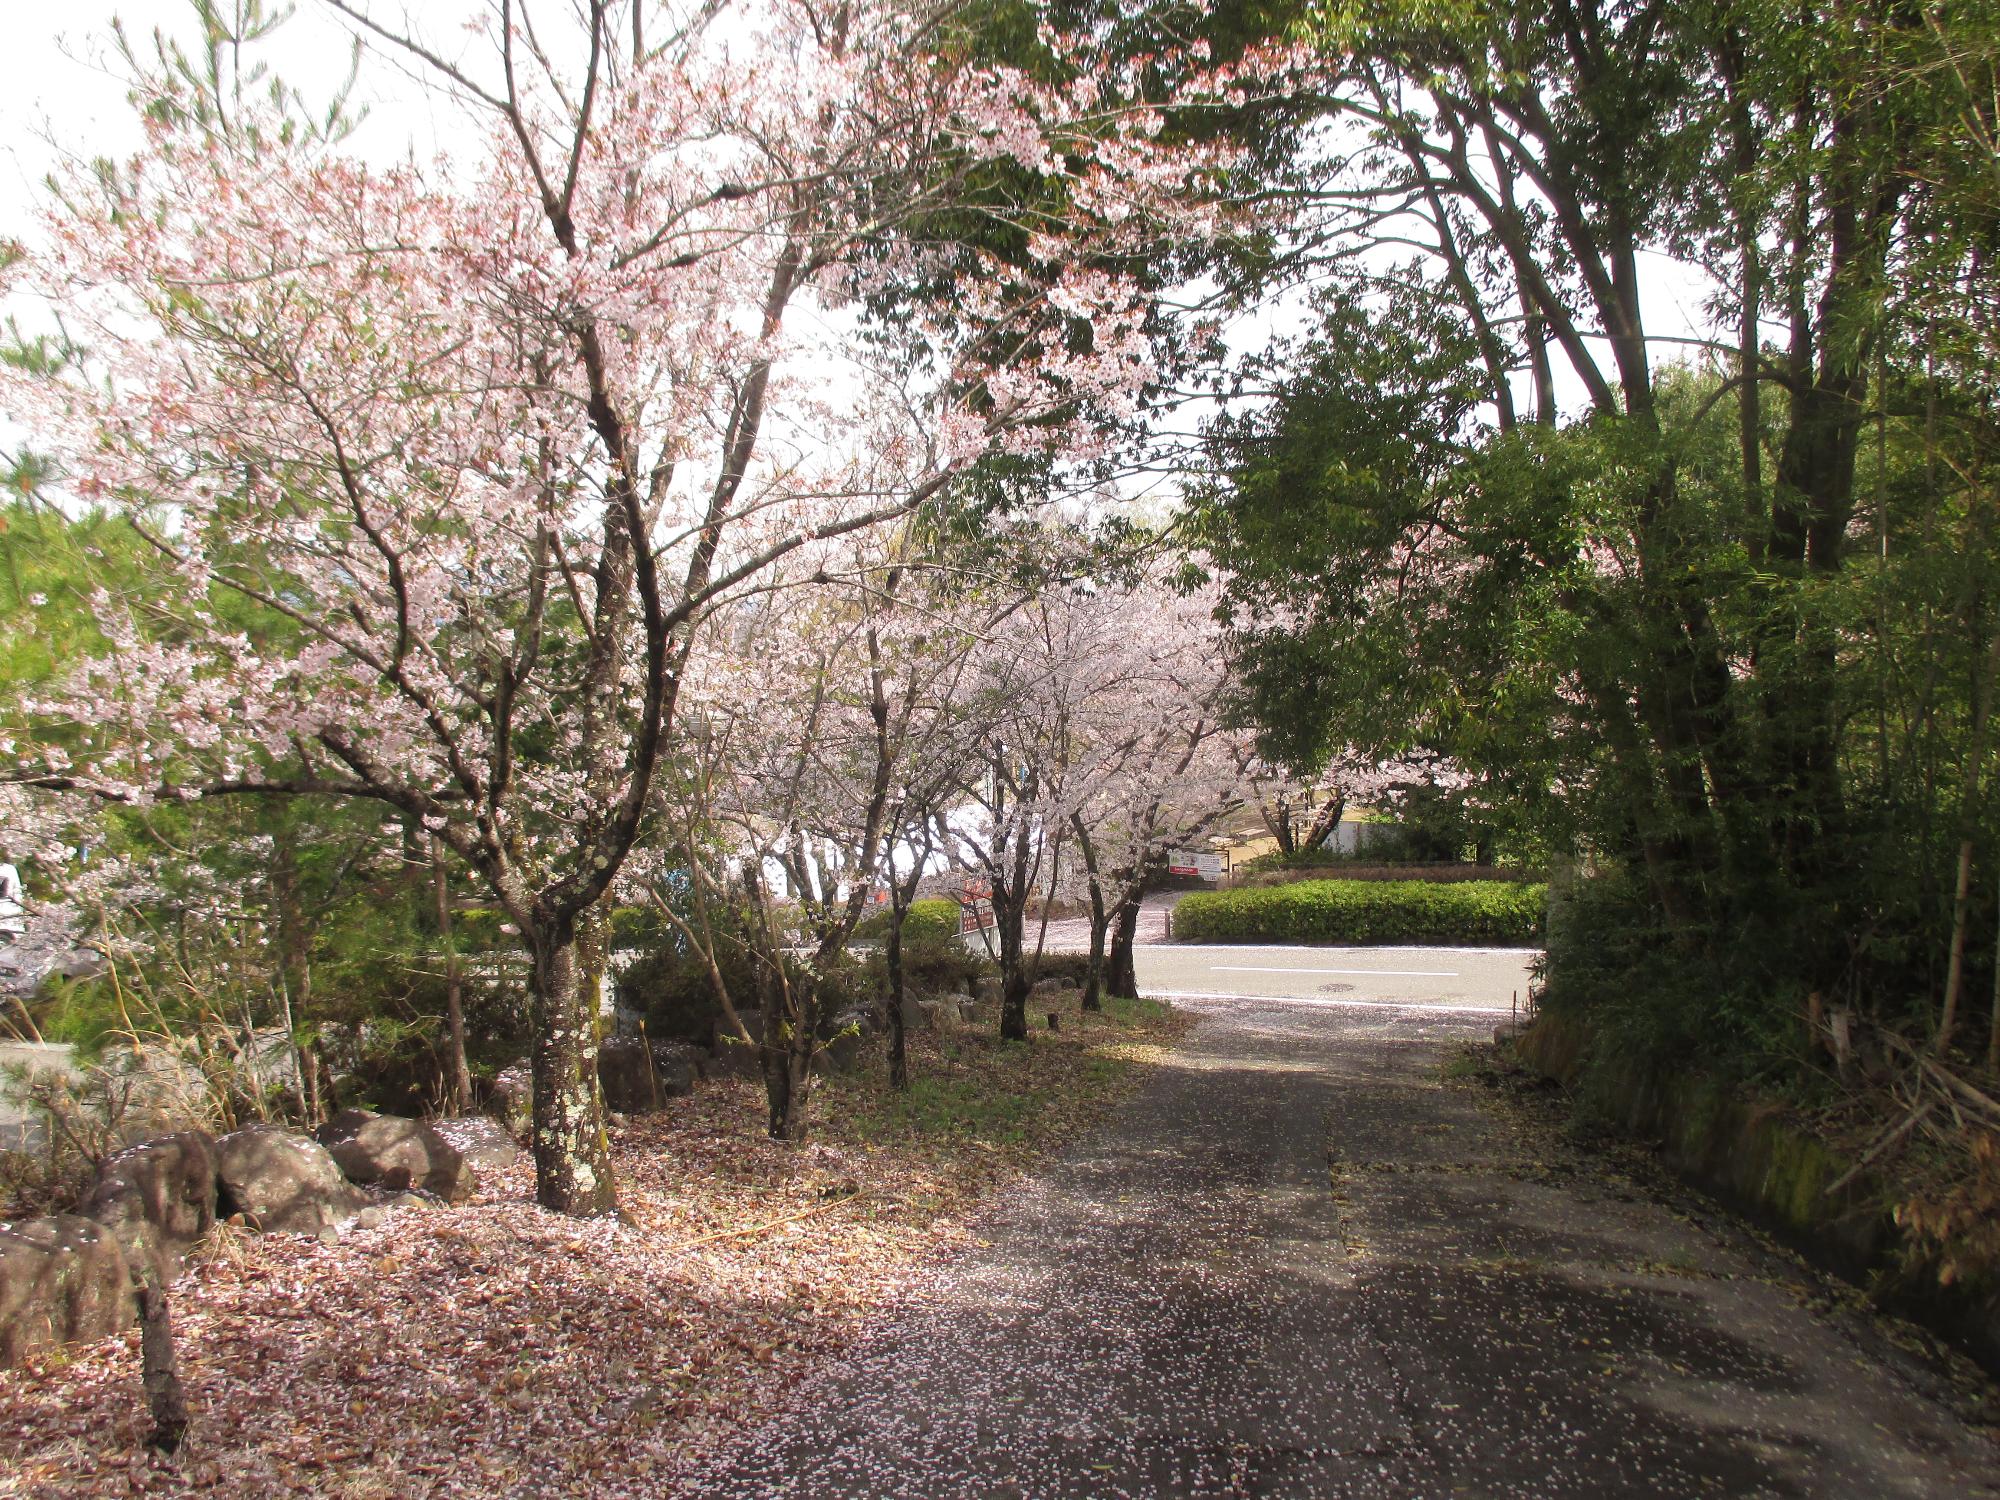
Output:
x=1909 y=1122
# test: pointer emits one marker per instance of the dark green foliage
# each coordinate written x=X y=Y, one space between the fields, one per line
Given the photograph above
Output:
x=631 y=927
x=1365 y=911
x=1271 y=869
x=1649 y=999
x=1064 y=966
x=674 y=991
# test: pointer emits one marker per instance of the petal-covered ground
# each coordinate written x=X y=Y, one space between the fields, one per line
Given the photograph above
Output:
x=494 y=1348
x=1303 y=1263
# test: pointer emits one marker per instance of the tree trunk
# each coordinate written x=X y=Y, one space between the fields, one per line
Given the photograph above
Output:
x=1093 y=998
x=899 y=1057
x=1013 y=966
x=1993 y=1032
x=787 y=1060
x=1121 y=977
x=791 y=1024
x=160 y=1373
x=572 y=1152
x=1968 y=815
x=1093 y=988
x=458 y=1074
x=1326 y=823
x=295 y=944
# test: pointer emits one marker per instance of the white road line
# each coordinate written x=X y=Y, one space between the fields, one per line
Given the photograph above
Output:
x=1321 y=1003
x=1523 y=954
x=1365 y=973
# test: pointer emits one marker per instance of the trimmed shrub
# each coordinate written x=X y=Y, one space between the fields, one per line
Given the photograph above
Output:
x=1255 y=873
x=938 y=965
x=1365 y=912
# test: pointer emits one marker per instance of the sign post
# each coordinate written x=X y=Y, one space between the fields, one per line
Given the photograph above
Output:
x=1197 y=863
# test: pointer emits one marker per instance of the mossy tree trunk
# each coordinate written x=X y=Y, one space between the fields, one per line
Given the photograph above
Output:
x=572 y=1152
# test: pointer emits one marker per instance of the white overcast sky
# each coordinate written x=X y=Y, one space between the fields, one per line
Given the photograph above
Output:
x=65 y=96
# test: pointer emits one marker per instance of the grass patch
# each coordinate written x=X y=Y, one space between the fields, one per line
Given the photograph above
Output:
x=969 y=1087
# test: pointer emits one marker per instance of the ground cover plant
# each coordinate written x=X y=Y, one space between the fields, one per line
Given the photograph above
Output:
x=499 y=1346
x=1365 y=912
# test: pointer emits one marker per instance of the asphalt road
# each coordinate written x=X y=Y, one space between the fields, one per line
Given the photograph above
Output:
x=1487 y=980
x=1301 y=1262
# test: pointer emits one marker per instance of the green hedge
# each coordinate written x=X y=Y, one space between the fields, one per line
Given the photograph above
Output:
x=935 y=917
x=1366 y=912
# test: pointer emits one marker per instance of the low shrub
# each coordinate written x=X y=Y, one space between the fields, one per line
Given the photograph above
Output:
x=1366 y=912
x=1659 y=1003
x=938 y=965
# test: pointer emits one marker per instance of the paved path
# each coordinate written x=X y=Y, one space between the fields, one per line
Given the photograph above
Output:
x=1298 y=1264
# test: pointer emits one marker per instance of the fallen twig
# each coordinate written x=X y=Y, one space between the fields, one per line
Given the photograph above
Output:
x=747 y=1229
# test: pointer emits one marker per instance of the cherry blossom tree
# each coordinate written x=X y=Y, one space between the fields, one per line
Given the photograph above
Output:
x=1159 y=766
x=826 y=724
x=454 y=457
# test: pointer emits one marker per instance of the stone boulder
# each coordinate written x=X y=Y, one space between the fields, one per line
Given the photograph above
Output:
x=281 y=1180
x=157 y=1198
x=511 y=1100
x=638 y=1076
x=483 y=1142
x=61 y=1278
x=864 y=1020
x=989 y=989
x=387 y=1151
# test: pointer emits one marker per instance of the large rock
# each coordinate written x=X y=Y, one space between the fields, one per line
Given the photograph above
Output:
x=511 y=1100
x=157 y=1198
x=61 y=1278
x=734 y=1058
x=483 y=1142
x=638 y=1076
x=990 y=989
x=280 y=1180
x=387 y=1151
x=965 y=1006
x=841 y=1053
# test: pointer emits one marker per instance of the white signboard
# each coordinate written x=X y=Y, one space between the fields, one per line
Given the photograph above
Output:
x=1194 y=862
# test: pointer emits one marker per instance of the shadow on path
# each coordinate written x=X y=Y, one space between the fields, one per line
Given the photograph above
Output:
x=1298 y=1264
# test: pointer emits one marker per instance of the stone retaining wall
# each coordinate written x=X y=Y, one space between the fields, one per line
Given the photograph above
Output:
x=1746 y=1153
